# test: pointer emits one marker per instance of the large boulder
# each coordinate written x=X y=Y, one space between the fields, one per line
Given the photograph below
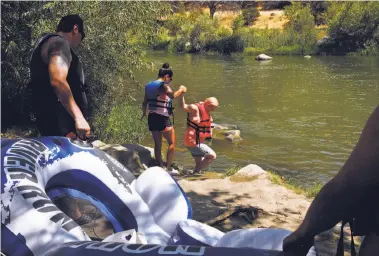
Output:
x=133 y=156
x=263 y=57
x=252 y=171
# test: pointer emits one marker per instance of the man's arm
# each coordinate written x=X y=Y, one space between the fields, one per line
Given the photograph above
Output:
x=56 y=53
x=190 y=108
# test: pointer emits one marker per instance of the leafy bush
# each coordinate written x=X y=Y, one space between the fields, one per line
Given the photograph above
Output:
x=175 y=23
x=272 y=5
x=238 y=23
x=224 y=32
x=121 y=124
x=254 y=51
x=351 y=25
x=111 y=52
x=301 y=27
x=319 y=9
x=161 y=40
x=250 y=15
x=229 y=45
x=370 y=48
x=287 y=50
x=178 y=44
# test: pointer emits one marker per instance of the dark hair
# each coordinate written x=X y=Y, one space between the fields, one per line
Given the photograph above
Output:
x=66 y=24
x=165 y=70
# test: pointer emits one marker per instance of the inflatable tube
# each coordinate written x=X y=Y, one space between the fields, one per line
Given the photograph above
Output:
x=120 y=249
x=257 y=238
x=191 y=232
x=170 y=205
x=70 y=171
x=127 y=237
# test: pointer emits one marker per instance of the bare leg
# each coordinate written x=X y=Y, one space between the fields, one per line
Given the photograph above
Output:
x=198 y=160
x=204 y=163
x=169 y=135
x=157 y=136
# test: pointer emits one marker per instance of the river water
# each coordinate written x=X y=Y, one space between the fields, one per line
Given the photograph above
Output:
x=300 y=117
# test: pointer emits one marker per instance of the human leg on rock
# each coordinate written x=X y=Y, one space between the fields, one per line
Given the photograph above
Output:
x=169 y=135
x=203 y=156
x=157 y=136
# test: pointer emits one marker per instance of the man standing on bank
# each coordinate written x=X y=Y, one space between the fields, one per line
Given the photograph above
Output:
x=57 y=81
x=57 y=86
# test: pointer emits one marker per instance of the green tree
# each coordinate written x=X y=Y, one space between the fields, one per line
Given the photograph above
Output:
x=319 y=9
x=178 y=7
x=113 y=50
x=250 y=15
x=212 y=5
x=17 y=22
x=301 y=26
x=271 y=5
x=351 y=25
x=246 y=4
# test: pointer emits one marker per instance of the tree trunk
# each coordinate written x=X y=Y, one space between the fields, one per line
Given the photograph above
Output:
x=212 y=10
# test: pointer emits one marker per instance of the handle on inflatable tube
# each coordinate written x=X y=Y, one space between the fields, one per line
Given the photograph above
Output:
x=92 y=248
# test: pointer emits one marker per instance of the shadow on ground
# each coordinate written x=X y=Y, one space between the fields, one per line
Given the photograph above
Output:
x=207 y=207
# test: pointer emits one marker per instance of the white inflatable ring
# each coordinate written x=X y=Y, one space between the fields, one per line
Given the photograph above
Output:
x=34 y=171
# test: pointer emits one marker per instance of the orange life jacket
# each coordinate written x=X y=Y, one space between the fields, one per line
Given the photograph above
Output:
x=202 y=129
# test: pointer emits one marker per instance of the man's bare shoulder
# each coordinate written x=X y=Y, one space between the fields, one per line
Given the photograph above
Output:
x=193 y=107
x=56 y=46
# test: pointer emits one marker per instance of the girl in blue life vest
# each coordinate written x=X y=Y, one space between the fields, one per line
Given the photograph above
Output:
x=158 y=98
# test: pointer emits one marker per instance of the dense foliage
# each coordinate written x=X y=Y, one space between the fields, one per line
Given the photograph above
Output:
x=111 y=54
x=119 y=33
x=351 y=27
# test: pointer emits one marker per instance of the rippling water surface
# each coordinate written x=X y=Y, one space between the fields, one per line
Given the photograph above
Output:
x=300 y=117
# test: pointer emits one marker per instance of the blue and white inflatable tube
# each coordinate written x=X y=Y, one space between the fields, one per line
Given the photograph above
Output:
x=192 y=232
x=48 y=184
x=35 y=172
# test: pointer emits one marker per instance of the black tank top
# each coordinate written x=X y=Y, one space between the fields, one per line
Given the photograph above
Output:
x=52 y=118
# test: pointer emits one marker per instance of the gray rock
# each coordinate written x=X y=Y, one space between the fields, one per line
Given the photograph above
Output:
x=230 y=135
x=252 y=170
x=263 y=57
x=133 y=156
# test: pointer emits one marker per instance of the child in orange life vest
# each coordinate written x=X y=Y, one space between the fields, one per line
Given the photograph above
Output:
x=199 y=128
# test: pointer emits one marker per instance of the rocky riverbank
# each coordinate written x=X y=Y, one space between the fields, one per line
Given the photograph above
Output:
x=211 y=195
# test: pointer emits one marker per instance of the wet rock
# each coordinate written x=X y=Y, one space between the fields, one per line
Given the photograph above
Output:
x=232 y=135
